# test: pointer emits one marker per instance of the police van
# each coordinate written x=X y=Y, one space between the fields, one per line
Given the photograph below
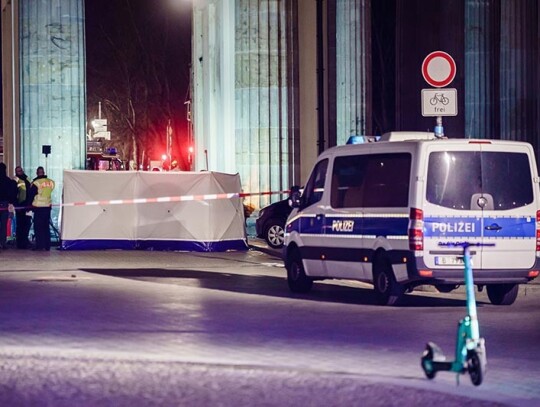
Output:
x=377 y=212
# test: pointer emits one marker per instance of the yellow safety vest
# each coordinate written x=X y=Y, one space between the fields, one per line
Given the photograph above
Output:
x=21 y=188
x=45 y=187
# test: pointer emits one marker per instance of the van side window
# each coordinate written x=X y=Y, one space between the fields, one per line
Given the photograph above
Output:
x=314 y=188
x=456 y=179
x=374 y=180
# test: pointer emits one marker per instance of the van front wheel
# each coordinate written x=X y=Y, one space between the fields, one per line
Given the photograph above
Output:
x=387 y=290
x=297 y=279
x=502 y=294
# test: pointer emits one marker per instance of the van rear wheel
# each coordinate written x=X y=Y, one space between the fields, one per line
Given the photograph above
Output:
x=502 y=294
x=387 y=290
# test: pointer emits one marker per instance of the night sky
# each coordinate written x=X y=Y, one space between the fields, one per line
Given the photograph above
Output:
x=142 y=47
x=161 y=28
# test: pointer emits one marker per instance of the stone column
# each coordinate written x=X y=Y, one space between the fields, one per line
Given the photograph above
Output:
x=353 y=68
x=52 y=87
x=213 y=85
x=518 y=70
x=242 y=91
x=10 y=85
x=263 y=99
x=480 y=86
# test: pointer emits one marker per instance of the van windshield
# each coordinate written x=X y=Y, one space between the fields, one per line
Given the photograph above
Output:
x=458 y=179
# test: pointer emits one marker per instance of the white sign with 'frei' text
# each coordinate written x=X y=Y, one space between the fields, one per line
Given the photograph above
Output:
x=439 y=102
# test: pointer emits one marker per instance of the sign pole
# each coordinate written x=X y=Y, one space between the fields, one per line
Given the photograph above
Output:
x=439 y=129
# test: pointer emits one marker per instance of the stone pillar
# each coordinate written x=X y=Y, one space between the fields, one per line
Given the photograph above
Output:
x=263 y=100
x=306 y=24
x=213 y=85
x=353 y=68
x=242 y=91
x=518 y=70
x=480 y=86
x=52 y=86
x=10 y=84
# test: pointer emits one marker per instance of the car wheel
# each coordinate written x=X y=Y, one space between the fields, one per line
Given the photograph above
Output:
x=502 y=294
x=387 y=290
x=274 y=234
x=297 y=279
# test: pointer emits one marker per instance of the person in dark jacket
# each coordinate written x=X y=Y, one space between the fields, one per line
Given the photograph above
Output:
x=22 y=220
x=8 y=196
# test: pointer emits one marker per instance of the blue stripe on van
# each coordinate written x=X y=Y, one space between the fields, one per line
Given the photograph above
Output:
x=306 y=224
x=519 y=227
x=346 y=225
x=441 y=226
x=385 y=226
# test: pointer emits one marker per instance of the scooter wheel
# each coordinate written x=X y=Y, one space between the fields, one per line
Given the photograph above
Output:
x=476 y=366
x=426 y=362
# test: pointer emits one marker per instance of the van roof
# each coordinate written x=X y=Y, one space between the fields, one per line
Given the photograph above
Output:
x=408 y=135
x=417 y=137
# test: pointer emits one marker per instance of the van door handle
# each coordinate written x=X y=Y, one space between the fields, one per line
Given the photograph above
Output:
x=494 y=227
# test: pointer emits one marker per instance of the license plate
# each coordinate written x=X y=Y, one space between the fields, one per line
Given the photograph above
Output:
x=449 y=261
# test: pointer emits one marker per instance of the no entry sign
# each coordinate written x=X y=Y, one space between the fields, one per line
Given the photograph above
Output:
x=439 y=69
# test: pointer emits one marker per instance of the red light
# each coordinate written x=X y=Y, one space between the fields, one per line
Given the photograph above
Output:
x=538 y=231
x=417 y=214
x=416 y=229
x=533 y=273
x=164 y=157
x=416 y=239
x=479 y=142
x=425 y=273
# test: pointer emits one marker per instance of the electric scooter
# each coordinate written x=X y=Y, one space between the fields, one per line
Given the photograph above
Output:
x=470 y=351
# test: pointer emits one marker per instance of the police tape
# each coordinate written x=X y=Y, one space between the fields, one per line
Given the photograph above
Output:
x=161 y=199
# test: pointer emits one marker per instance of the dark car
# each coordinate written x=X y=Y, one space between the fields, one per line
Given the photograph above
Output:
x=271 y=223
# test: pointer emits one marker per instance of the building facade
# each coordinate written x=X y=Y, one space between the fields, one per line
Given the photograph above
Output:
x=275 y=82
x=309 y=74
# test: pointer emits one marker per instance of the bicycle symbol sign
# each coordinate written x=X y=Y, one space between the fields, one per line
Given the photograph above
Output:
x=439 y=102
x=439 y=98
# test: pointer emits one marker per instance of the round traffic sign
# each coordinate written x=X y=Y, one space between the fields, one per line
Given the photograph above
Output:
x=439 y=69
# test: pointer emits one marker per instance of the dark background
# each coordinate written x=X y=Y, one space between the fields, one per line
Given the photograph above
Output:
x=138 y=63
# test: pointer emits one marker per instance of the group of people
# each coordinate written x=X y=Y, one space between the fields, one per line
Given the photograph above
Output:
x=27 y=199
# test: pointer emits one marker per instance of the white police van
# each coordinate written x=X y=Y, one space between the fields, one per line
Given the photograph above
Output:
x=376 y=212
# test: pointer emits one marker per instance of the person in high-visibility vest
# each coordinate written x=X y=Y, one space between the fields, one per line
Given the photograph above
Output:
x=40 y=193
x=22 y=220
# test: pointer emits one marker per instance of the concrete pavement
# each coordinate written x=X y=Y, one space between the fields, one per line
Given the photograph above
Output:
x=75 y=335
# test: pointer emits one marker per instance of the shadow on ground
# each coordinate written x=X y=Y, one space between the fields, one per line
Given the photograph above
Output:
x=269 y=286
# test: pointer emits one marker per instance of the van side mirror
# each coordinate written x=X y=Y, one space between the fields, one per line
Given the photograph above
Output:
x=295 y=197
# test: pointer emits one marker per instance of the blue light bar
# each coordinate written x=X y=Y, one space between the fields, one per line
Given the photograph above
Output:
x=362 y=139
